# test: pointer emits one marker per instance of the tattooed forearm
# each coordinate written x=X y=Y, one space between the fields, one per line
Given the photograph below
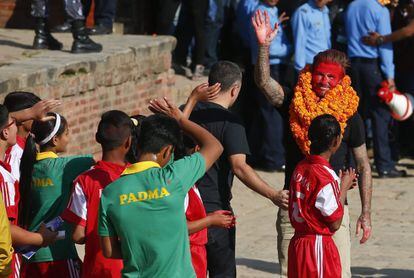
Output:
x=365 y=177
x=269 y=87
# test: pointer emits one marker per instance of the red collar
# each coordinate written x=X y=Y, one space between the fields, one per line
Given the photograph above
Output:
x=317 y=159
x=111 y=167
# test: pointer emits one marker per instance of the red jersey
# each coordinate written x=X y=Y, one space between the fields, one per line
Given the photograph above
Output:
x=314 y=203
x=83 y=210
x=13 y=156
x=194 y=210
x=9 y=188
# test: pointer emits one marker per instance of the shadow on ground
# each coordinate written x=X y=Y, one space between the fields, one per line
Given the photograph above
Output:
x=260 y=265
x=368 y=272
x=357 y=272
x=15 y=44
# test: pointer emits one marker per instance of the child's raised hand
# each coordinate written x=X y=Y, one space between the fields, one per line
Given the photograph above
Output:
x=39 y=110
x=222 y=218
x=348 y=178
x=203 y=92
x=166 y=107
x=264 y=32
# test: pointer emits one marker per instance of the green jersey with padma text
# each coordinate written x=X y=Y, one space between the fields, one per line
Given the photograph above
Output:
x=144 y=208
x=51 y=188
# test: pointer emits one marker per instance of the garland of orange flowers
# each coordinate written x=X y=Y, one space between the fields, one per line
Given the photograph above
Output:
x=384 y=2
x=340 y=102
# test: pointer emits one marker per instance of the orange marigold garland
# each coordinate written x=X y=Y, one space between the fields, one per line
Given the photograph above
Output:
x=340 y=102
x=384 y=2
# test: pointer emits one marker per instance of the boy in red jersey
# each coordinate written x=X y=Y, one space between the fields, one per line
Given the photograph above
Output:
x=317 y=197
x=114 y=135
x=198 y=221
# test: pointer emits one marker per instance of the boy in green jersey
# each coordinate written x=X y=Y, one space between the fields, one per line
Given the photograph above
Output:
x=46 y=182
x=141 y=215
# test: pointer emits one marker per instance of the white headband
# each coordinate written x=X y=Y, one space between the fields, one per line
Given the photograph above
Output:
x=54 y=131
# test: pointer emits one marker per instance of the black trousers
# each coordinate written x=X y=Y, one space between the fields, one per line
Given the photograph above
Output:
x=366 y=78
x=267 y=128
x=221 y=255
x=73 y=9
x=191 y=24
x=166 y=10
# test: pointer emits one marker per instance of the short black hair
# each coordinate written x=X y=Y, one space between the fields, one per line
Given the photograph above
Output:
x=226 y=73
x=113 y=129
x=4 y=116
x=158 y=131
x=322 y=131
x=16 y=101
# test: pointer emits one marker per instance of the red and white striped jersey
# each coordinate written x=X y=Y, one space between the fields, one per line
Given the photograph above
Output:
x=314 y=197
x=13 y=156
x=9 y=187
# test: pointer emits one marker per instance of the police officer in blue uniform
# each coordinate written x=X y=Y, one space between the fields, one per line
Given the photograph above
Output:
x=369 y=67
x=266 y=131
x=311 y=31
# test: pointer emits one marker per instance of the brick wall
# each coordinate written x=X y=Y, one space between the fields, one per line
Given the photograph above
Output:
x=124 y=80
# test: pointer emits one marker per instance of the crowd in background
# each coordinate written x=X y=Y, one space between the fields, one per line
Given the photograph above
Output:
x=210 y=30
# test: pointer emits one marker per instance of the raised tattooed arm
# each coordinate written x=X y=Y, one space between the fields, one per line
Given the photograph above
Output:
x=365 y=191
x=265 y=34
x=269 y=87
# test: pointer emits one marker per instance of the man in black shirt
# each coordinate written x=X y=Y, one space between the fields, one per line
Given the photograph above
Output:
x=215 y=186
x=327 y=72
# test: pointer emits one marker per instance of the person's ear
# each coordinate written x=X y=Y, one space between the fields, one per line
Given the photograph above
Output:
x=128 y=142
x=234 y=90
x=55 y=140
x=4 y=134
x=167 y=152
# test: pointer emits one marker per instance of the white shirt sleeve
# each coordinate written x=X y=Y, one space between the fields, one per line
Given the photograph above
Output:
x=326 y=200
x=78 y=202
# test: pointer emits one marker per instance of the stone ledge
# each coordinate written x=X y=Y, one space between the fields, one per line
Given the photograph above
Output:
x=129 y=72
x=133 y=56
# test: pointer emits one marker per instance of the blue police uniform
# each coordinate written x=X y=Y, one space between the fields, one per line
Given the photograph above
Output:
x=311 y=32
x=266 y=130
x=369 y=66
x=244 y=12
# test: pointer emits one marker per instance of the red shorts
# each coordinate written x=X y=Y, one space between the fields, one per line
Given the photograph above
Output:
x=199 y=260
x=69 y=268
x=313 y=256
x=16 y=262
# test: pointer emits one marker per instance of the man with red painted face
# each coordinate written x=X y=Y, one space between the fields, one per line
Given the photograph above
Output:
x=317 y=92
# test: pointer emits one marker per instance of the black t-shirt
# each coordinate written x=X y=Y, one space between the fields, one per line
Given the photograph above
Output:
x=354 y=136
x=215 y=186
